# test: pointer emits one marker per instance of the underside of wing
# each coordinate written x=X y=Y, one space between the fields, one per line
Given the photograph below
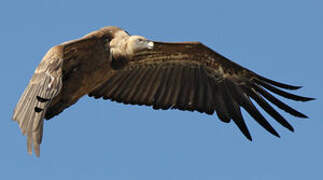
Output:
x=190 y=76
x=30 y=110
x=66 y=73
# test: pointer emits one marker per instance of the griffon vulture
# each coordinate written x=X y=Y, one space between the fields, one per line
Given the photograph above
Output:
x=112 y=64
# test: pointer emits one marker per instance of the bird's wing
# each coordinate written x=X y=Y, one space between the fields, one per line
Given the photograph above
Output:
x=85 y=64
x=190 y=76
x=46 y=84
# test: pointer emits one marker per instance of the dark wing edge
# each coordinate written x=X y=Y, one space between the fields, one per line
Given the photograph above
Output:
x=44 y=85
x=190 y=76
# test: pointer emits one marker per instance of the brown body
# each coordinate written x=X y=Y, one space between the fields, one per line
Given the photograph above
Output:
x=111 y=64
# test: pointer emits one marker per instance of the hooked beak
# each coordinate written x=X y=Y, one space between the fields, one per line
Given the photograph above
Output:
x=150 y=44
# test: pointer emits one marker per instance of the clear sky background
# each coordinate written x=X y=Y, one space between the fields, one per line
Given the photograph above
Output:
x=98 y=139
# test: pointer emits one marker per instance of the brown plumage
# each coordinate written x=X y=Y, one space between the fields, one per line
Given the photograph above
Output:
x=111 y=64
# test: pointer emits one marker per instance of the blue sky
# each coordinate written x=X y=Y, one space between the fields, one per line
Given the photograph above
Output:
x=105 y=140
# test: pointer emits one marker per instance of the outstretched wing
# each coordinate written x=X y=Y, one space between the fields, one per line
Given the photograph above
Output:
x=44 y=85
x=190 y=76
x=58 y=82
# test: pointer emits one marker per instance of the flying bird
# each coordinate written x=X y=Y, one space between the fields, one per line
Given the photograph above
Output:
x=112 y=64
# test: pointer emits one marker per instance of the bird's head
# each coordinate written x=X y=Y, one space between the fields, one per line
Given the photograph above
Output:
x=138 y=43
x=121 y=44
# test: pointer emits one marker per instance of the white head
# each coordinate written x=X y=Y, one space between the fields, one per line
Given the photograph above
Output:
x=122 y=44
x=138 y=43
